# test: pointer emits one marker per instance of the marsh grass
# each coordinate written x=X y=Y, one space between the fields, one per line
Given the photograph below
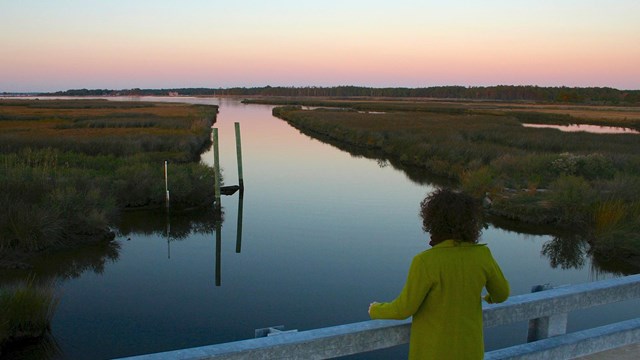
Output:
x=451 y=145
x=68 y=170
x=26 y=310
x=544 y=176
x=617 y=227
x=522 y=111
x=609 y=215
x=103 y=127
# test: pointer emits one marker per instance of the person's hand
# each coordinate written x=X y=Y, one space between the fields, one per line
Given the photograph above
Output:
x=370 y=305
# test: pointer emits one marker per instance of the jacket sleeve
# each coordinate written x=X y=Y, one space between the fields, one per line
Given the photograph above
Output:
x=413 y=294
x=497 y=285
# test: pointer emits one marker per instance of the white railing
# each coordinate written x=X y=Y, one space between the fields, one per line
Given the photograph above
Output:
x=546 y=310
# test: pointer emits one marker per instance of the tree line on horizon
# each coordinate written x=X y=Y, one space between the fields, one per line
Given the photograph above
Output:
x=571 y=95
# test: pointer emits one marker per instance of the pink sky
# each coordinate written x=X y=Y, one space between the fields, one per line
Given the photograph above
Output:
x=49 y=46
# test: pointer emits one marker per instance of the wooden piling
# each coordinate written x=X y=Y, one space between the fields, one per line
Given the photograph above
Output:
x=216 y=165
x=239 y=155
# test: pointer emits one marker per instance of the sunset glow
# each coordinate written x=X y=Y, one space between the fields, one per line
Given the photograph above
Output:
x=50 y=46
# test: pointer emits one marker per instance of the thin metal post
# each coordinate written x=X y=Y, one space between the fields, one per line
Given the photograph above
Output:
x=216 y=164
x=166 y=181
x=239 y=155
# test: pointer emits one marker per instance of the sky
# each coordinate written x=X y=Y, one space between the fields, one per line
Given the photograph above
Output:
x=51 y=45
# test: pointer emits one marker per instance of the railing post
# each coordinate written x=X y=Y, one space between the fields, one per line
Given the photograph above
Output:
x=548 y=326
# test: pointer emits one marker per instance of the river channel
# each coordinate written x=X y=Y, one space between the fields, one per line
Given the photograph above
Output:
x=317 y=235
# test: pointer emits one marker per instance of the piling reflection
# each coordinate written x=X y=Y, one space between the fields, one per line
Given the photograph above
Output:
x=239 y=222
x=218 y=271
x=179 y=226
x=218 y=254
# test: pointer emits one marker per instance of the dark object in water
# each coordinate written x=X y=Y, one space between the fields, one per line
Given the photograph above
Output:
x=229 y=190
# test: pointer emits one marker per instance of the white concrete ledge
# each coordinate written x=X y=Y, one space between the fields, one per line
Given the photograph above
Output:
x=321 y=343
x=561 y=300
x=574 y=344
x=367 y=336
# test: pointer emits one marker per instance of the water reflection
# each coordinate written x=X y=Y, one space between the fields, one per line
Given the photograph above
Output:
x=239 y=222
x=415 y=174
x=180 y=226
x=66 y=264
x=570 y=251
x=605 y=264
x=218 y=254
x=238 y=238
x=566 y=252
x=595 y=129
x=176 y=226
x=54 y=267
x=44 y=348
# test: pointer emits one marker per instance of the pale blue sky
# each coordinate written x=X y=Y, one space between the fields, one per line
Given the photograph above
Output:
x=56 y=45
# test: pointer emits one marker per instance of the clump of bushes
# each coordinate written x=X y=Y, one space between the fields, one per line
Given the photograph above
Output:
x=26 y=311
x=42 y=209
x=49 y=202
x=65 y=180
x=590 y=166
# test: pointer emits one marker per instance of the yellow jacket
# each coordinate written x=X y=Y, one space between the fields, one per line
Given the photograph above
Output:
x=442 y=293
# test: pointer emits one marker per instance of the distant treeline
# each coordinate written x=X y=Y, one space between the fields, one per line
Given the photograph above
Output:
x=590 y=95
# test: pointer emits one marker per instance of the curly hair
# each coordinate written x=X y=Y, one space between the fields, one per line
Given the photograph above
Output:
x=453 y=215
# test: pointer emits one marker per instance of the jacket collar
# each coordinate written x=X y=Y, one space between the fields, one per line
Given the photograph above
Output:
x=452 y=243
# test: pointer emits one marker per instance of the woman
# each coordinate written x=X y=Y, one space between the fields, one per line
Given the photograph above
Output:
x=444 y=285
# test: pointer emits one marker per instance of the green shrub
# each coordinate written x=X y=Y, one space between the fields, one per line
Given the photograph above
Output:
x=572 y=197
x=191 y=184
x=26 y=310
x=478 y=182
x=139 y=185
x=592 y=166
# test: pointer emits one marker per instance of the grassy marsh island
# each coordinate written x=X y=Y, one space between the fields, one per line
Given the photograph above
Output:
x=26 y=311
x=585 y=182
x=67 y=167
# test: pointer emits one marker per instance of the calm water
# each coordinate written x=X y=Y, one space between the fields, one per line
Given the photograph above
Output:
x=596 y=129
x=321 y=234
